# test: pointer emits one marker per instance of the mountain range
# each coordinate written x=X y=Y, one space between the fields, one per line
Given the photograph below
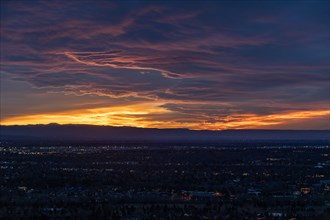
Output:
x=93 y=133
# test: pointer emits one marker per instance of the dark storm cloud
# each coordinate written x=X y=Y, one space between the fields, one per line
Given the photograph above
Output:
x=268 y=55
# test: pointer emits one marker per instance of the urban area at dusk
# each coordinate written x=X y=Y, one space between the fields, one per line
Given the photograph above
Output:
x=182 y=109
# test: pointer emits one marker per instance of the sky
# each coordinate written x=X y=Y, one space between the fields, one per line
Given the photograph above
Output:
x=210 y=65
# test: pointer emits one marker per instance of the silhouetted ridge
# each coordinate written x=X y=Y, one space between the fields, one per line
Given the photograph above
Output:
x=56 y=132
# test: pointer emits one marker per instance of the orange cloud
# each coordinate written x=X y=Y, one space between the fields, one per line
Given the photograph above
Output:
x=151 y=115
x=117 y=116
x=252 y=121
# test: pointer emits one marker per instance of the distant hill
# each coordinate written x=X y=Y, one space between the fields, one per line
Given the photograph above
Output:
x=92 y=133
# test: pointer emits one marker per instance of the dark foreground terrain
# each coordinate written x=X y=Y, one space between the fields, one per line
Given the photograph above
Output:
x=235 y=181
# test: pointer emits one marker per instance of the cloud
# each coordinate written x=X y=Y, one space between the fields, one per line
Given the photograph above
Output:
x=152 y=115
x=203 y=63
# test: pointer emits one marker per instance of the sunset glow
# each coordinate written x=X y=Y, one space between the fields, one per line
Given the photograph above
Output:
x=138 y=116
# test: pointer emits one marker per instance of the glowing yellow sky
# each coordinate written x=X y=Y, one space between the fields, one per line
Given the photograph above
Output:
x=141 y=115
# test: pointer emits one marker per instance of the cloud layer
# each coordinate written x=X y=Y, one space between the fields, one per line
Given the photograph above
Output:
x=211 y=65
